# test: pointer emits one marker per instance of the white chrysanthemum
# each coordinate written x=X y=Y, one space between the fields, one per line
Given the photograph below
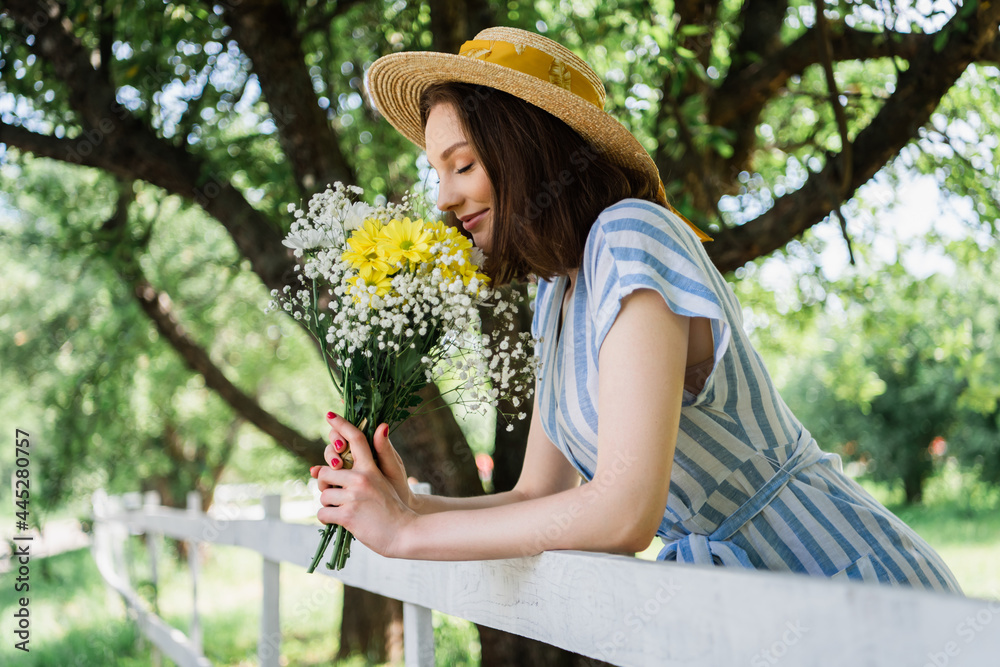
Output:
x=355 y=215
x=477 y=256
x=309 y=239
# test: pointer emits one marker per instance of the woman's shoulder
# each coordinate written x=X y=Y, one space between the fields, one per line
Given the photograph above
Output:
x=638 y=223
x=631 y=217
x=637 y=244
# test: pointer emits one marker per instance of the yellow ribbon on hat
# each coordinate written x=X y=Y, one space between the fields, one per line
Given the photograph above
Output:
x=529 y=60
x=662 y=196
x=534 y=62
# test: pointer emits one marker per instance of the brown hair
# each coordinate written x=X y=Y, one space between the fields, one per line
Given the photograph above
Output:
x=548 y=183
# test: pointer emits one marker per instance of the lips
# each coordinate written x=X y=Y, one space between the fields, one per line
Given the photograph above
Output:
x=470 y=222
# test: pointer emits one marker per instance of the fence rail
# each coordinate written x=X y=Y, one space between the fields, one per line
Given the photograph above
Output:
x=621 y=610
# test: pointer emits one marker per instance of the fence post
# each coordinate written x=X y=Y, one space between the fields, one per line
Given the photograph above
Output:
x=150 y=502
x=418 y=624
x=269 y=645
x=119 y=536
x=194 y=508
x=131 y=502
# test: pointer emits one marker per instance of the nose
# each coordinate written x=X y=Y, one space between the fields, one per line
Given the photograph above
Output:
x=448 y=196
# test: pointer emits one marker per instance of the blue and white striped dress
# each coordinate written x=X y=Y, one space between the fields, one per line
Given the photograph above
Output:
x=749 y=486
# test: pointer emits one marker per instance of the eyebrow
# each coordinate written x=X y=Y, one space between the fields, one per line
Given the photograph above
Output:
x=451 y=149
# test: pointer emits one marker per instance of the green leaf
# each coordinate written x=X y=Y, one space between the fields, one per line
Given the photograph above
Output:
x=940 y=40
x=691 y=29
x=722 y=148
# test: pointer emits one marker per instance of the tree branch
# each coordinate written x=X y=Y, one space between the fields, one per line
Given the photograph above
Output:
x=320 y=17
x=844 y=159
x=695 y=172
x=158 y=307
x=114 y=140
x=266 y=32
x=106 y=34
x=455 y=21
x=759 y=40
x=53 y=32
x=698 y=13
x=919 y=89
x=43 y=145
x=754 y=84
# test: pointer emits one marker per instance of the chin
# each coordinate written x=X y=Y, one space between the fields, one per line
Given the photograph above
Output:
x=481 y=243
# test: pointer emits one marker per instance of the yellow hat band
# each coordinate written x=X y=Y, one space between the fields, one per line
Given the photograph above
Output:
x=533 y=62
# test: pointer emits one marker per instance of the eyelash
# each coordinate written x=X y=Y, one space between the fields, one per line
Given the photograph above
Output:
x=459 y=171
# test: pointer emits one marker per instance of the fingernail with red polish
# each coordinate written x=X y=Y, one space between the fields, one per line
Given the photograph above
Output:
x=385 y=431
x=313 y=470
x=331 y=415
x=334 y=462
x=338 y=445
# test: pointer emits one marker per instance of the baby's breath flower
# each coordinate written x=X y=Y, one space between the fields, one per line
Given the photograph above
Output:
x=403 y=297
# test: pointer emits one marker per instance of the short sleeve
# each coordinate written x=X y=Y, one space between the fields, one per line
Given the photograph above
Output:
x=636 y=244
x=539 y=308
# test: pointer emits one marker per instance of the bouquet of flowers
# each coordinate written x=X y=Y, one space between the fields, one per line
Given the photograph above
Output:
x=394 y=303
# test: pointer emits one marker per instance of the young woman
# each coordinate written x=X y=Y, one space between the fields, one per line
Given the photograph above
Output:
x=649 y=389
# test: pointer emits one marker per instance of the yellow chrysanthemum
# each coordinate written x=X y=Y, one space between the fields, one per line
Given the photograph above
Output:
x=373 y=276
x=364 y=253
x=436 y=227
x=405 y=240
x=449 y=236
x=462 y=267
x=380 y=281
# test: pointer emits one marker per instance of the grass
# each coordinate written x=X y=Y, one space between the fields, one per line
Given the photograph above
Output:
x=76 y=622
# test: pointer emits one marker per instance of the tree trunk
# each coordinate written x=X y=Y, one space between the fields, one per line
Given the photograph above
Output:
x=915 y=473
x=371 y=625
x=502 y=649
x=508 y=450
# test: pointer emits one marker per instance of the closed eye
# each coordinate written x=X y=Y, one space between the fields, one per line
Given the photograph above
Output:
x=459 y=171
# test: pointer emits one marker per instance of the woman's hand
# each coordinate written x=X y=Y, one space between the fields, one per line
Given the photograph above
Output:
x=389 y=461
x=363 y=499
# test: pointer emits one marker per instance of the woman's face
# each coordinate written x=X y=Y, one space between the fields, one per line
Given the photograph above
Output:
x=464 y=187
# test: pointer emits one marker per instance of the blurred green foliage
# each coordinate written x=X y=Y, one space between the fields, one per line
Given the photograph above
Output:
x=891 y=360
x=88 y=374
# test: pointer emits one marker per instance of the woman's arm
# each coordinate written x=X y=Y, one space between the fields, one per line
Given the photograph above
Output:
x=544 y=471
x=642 y=365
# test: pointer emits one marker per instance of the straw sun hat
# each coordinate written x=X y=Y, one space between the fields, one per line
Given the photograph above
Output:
x=524 y=64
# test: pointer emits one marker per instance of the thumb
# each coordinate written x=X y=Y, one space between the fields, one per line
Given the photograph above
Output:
x=381 y=441
x=388 y=460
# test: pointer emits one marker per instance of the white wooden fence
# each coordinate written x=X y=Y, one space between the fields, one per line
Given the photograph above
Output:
x=622 y=610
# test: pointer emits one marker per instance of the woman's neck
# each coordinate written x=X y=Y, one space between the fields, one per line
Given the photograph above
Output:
x=571 y=275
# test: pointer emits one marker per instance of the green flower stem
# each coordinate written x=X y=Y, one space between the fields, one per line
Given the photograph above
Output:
x=341 y=549
x=321 y=337
x=327 y=534
x=341 y=538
